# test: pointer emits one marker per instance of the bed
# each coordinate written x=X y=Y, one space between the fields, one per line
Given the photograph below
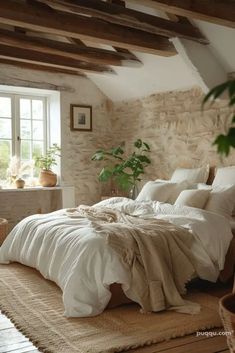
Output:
x=121 y=250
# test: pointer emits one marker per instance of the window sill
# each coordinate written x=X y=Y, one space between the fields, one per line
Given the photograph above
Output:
x=32 y=188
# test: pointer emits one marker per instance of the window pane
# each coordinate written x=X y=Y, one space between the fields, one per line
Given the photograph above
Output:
x=38 y=130
x=25 y=108
x=37 y=108
x=25 y=129
x=5 y=107
x=5 y=128
x=37 y=148
x=5 y=154
x=25 y=150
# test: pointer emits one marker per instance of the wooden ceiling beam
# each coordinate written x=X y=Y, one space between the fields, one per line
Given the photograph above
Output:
x=38 y=67
x=220 y=12
x=82 y=27
x=76 y=51
x=120 y=15
x=51 y=60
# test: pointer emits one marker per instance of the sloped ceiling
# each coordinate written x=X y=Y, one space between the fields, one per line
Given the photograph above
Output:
x=160 y=74
x=73 y=37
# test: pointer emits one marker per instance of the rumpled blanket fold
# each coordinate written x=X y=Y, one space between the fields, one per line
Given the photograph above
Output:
x=155 y=251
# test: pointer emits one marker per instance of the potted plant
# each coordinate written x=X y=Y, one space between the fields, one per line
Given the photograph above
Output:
x=125 y=170
x=45 y=162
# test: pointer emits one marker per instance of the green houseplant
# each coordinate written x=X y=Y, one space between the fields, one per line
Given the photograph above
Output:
x=224 y=142
x=125 y=170
x=45 y=162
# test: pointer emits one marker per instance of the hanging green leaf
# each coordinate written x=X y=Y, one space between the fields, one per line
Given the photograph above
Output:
x=224 y=142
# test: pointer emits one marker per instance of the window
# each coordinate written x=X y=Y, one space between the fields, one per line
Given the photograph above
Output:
x=23 y=128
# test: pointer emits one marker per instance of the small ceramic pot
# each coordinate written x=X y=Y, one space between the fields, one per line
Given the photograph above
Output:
x=19 y=183
x=47 y=178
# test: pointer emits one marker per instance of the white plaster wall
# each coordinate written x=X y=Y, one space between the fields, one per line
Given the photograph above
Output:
x=158 y=74
x=221 y=42
x=77 y=147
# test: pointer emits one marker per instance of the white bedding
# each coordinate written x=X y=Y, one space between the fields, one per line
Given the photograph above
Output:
x=69 y=252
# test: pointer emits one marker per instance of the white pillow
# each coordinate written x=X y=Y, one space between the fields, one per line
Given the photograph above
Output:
x=222 y=200
x=225 y=176
x=163 y=191
x=176 y=189
x=154 y=191
x=203 y=186
x=196 y=175
x=193 y=198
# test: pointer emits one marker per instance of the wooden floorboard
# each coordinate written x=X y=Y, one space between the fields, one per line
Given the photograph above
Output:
x=12 y=341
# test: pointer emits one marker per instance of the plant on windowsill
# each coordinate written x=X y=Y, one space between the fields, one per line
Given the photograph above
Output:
x=125 y=170
x=17 y=170
x=47 y=177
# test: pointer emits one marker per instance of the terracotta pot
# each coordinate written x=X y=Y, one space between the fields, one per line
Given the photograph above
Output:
x=47 y=178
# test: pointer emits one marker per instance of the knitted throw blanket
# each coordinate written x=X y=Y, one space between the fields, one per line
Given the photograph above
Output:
x=155 y=251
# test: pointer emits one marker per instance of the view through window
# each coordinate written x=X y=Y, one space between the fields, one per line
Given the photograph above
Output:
x=23 y=128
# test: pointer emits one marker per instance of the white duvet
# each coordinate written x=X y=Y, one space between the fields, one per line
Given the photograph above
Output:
x=69 y=252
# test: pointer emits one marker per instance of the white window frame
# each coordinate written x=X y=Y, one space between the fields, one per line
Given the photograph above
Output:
x=15 y=118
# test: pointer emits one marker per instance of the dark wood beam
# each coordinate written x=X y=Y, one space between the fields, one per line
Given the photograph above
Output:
x=82 y=27
x=221 y=12
x=51 y=60
x=76 y=51
x=120 y=15
x=121 y=50
x=38 y=67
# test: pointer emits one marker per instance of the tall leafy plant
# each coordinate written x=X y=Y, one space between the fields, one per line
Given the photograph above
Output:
x=224 y=141
x=126 y=170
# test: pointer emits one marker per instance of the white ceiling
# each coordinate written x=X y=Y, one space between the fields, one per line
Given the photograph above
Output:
x=159 y=74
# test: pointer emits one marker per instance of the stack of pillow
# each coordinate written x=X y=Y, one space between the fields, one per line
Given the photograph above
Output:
x=187 y=187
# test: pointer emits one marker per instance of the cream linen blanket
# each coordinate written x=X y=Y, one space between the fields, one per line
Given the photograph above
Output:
x=155 y=251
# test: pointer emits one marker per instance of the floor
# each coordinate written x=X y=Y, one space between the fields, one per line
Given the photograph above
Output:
x=12 y=341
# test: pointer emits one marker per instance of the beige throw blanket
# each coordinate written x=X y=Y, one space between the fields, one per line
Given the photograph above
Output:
x=155 y=251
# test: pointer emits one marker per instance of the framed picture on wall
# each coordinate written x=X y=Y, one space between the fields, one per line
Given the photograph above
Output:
x=80 y=117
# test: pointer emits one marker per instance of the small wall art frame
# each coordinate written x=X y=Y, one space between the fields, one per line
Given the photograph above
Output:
x=80 y=117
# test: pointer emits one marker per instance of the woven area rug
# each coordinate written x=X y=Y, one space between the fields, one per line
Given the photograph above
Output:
x=35 y=306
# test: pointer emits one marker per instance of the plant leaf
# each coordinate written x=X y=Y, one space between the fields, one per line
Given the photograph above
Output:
x=216 y=92
x=138 y=143
x=117 y=150
x=232 y=101
x=105 y=174
x=146 y=146
x=223 y=146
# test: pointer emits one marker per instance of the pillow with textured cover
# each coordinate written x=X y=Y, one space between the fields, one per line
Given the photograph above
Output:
x=193 y=198
x=195 y=175
x=163 y=191
x=225 y=176
x=222 y=200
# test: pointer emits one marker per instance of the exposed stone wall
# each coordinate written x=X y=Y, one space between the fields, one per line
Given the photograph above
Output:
x=179 y=133
x=77 y=147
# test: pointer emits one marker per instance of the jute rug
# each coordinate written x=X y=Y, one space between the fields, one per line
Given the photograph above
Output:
x=35 y=306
